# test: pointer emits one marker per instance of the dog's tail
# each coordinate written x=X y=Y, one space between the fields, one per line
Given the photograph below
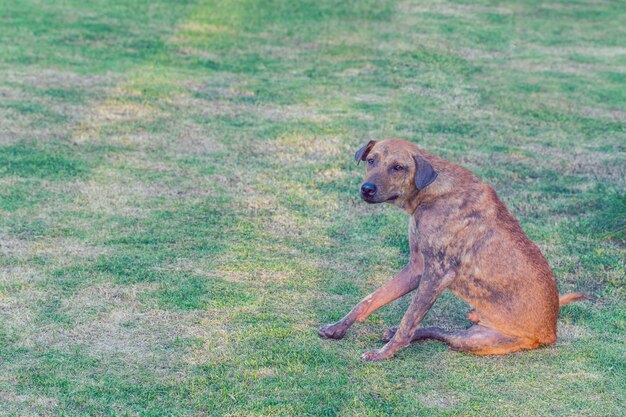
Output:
x=572 y=297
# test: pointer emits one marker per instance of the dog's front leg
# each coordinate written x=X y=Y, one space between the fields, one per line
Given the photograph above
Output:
x=430 y=288
x=406 y=281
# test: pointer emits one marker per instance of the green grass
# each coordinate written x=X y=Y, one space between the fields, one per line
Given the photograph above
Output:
x=179 y=208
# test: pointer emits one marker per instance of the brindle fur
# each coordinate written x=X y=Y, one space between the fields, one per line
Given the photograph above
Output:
x=462 y=238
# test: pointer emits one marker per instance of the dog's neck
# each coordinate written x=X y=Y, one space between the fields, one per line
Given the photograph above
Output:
x=440 y=187
x=408 y=204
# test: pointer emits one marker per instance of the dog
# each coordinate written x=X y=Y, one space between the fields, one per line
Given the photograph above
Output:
x=462 y=238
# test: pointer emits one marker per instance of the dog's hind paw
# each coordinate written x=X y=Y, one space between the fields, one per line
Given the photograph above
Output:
x=472 y=316
x=388 y=334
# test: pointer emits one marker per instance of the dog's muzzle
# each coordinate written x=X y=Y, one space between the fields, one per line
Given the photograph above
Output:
x=368 y=190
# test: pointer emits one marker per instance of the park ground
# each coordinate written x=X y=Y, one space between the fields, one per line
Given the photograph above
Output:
x=179 y=208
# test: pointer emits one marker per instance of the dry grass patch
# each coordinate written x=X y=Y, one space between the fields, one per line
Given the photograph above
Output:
x=567 y=333
x=125 y=198
x=110 y=322
x=259 y=276
x=298 y=149
x=190 y=139
x=12 y=403
x=115 y=110
x=460 y=100
x=217 y=338
x=371 y=98
x=434 y=399
x=60 y=249
x=54 y=78
x=590 y=51
x=190 y=31
x=357 y=71
x=333 y=174
x=563 y=67
x=447 y=8
x=287 y=226
x=11 y=93
x=222 y=84
x=614 y=115
x=581 y=160
x=220 y=107
x=17 y=294
x=199 y=53
x=53 y=104
x=110 y=191
x=474 y=54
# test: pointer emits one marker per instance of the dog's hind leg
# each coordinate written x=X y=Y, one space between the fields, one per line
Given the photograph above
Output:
x=478 y=340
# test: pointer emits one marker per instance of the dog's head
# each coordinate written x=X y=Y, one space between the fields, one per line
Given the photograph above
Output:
x=394 y=171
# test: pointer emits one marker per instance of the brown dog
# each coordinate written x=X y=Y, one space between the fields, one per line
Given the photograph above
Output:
x=464 y=239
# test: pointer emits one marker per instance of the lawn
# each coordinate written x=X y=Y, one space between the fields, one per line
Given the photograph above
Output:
x=179 y=205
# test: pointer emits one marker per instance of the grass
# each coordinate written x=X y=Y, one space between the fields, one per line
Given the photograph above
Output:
x=178 y=206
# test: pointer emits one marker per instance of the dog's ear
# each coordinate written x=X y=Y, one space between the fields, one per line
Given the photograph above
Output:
x=361 y=154
x=424 y=172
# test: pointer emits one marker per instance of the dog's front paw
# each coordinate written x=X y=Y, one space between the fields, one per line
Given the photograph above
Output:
x=333 y=331
x=376 y=355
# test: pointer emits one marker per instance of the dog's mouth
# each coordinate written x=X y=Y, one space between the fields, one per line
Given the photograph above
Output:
x=375 y=200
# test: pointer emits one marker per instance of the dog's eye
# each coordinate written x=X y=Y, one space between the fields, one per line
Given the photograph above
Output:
x=370 y=161
x=398 y=168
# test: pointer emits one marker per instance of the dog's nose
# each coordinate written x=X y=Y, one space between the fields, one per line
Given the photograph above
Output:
x=368 y=189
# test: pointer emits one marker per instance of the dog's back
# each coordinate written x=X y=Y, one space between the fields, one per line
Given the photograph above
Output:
x=504 y=276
